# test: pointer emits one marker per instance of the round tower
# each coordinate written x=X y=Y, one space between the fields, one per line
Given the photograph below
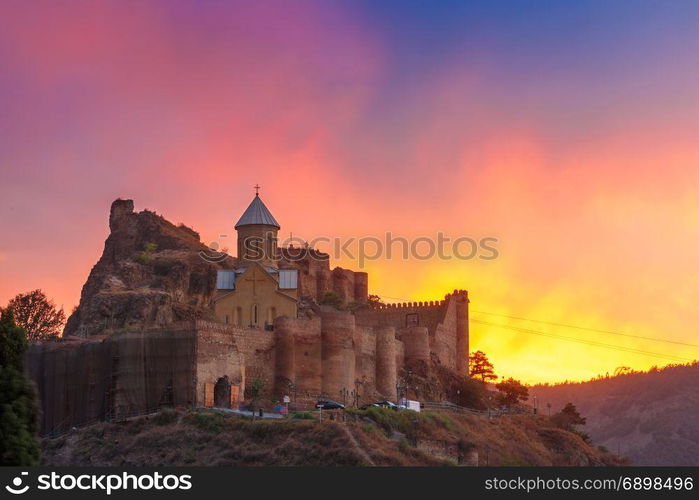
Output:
x=462 y=332
x=338 y=361
x=308 y=353
x=386 y=362
x=416 y=342
x=284 y=354
x=361 y=287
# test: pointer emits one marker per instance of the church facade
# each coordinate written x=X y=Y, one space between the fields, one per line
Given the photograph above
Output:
x=255 y=295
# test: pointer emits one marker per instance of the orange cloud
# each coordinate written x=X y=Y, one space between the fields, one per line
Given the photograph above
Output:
x=591 y=191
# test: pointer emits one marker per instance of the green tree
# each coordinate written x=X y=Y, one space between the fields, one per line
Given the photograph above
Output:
x=469 y=392
x=18 y=411
x=256 y=390
x=374 y=301
x=622 y=370
x=512 y=391
x=332 y=299
x=568 y=418
x=37 y=315
x=480 y=367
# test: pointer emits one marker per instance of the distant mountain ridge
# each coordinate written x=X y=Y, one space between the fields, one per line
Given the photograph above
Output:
x=650 y=417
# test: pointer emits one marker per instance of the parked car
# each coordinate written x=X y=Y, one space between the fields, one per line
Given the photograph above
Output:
x=382 y=404
x=328 y=404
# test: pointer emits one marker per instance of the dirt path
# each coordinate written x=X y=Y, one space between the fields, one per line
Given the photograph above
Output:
x=356 y=445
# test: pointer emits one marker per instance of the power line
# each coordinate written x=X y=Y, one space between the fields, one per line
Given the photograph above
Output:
x=587 y=329
x=564 y=325
x=584 y=341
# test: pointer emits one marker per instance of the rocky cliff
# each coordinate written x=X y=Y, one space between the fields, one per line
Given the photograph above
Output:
x=150 y=274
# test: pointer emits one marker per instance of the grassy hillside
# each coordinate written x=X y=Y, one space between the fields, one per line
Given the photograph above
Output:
x=652 y=418
x=374 y=437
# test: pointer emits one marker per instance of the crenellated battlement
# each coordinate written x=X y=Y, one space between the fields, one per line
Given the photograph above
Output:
x=411 y=305
x=423 y=304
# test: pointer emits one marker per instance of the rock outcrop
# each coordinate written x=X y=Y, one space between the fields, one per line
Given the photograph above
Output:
x=150 y=274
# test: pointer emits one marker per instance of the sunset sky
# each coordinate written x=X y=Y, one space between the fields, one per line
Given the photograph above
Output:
x=567 y=130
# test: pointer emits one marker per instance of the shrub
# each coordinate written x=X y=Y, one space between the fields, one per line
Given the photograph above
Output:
x=391 y=420
x=404 y=446
x=369 y=428
x=136 y=426
x=302 y=415
x=584 y=436
x=165 y=417
x=332 y=299
x=146 y=256
x=440 y=419
x=472 y=394
x=262 y=430
x=208 y=422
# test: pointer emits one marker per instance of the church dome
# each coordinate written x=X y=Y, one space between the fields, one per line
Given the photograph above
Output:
x=257 y=213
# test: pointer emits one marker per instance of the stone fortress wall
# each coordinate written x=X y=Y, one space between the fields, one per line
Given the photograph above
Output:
x=112 y=377
x=336 y=350
x=316 y=279
x=330 y=354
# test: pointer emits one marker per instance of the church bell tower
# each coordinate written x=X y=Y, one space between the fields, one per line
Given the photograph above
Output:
x=257 y=233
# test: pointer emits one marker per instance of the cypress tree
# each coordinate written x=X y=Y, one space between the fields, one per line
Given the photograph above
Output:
x=19 y=444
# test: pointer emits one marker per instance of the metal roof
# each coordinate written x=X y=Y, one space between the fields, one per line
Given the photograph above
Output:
x=257 y=213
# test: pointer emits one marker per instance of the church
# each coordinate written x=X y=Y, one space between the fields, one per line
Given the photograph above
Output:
x=256 y=292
